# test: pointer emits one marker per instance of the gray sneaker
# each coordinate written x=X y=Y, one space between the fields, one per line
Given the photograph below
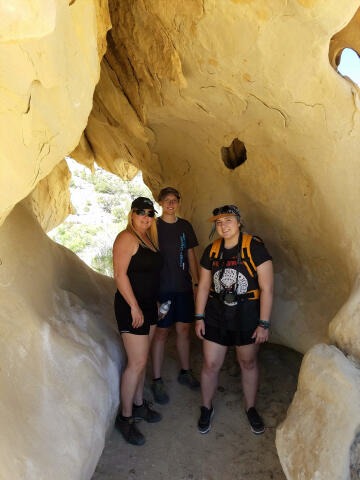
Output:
x=189 y=379
x=129 y=430
x=145 y=412
x=159 y=392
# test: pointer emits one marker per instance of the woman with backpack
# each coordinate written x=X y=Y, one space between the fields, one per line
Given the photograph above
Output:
x=233 y=307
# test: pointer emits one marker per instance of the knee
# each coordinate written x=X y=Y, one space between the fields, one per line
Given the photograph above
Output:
x=161 y=334
x=183 y=330
x=211 y=366
x=248 y=364
x=138 y=365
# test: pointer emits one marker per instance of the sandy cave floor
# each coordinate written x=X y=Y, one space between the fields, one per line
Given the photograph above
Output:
x=176 y=450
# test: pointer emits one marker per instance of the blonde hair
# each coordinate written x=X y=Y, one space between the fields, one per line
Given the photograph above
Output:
x=153 y=233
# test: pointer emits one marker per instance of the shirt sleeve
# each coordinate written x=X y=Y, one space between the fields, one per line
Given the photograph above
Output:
x=205 y=261
x=191 y=237
x=259 y=252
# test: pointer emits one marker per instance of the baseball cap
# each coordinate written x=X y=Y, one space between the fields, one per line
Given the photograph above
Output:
x=143 y=203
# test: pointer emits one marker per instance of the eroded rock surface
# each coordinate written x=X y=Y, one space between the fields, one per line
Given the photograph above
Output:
x=60 y=356
x=319 y=438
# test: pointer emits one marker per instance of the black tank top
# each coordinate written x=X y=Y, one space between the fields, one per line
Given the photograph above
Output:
x=144 y=274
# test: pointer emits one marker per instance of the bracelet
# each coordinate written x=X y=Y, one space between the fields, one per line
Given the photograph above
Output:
x=199 y=316
x=264 y=324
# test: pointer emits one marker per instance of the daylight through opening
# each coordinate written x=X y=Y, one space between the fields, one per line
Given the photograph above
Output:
x=349 y=65
x=101 y=203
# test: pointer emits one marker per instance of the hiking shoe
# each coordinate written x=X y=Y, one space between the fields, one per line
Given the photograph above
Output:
x=256 y=422
x=145 y=412
x=204 y=423
x=188 y=379
x=159 y=392
x=129 y=430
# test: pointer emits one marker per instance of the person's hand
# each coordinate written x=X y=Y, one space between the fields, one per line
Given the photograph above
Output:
x=200 y=328
x=261 y=335
x=137 y=317
x=160 y=315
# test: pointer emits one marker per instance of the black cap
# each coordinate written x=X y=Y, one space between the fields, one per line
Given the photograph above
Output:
x=168 y=191
x=143 y=203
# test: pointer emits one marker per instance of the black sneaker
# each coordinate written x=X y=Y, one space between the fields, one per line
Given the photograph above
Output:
x=129 y=430
x=204 y=423
x=188 y=378
x=256 y=422
x=159 y=392
x=145 y=412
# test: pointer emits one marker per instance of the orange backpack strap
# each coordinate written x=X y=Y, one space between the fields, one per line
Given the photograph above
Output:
x=246 y=254
x=215 y=249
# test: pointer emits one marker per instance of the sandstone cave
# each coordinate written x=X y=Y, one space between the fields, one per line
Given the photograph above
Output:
x=164 y=87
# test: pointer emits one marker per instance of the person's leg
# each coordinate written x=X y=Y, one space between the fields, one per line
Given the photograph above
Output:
x=214 y=355
x=142 y=408
x=183 y=344
x=157 y=350
x=247 y=358
x=139 y=392
x=137 y=349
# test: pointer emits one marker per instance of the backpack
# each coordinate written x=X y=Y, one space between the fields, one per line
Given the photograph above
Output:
x=246 y=257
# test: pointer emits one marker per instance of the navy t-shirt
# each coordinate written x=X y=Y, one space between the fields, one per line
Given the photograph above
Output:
x=174 y=241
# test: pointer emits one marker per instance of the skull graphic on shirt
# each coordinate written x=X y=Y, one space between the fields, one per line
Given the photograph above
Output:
x=228 y=281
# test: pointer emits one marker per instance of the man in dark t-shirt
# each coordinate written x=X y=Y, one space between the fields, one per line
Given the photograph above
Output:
x=178 y=281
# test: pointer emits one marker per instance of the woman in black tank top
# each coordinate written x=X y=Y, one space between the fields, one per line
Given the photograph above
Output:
x=137 y=265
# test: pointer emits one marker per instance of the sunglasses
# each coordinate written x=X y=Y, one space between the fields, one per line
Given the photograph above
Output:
x=226 y=209
x=142 y=212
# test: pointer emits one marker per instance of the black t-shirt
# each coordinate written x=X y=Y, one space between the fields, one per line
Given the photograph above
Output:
x=258 y=251
x=174 y=241
x=228 y=277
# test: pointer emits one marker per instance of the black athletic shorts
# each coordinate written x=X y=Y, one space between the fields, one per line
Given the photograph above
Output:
x=182 y=308
x=124 y=318
x=228 y=338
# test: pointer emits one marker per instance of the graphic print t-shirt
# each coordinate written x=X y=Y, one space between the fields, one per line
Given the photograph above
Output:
x=174 y=241
x=228 y=277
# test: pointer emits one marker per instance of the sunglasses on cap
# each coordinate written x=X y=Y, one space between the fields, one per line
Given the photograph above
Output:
x=142 y=212
x=226 y=209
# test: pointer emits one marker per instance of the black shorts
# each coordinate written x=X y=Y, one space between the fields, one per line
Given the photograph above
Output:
x=228 y=338
x=124 y=318
x=182 y=308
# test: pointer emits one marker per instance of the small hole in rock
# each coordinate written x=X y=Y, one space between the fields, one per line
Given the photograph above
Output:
x=234 y=155
x=349 y=65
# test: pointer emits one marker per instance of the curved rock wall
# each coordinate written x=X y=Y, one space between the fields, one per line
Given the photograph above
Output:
x=49 y=66
x=60 y=356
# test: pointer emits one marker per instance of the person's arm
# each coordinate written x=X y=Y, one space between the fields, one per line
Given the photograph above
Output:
x=125 y=247
x=201 y=299
x=193 y=268
x=266 y=285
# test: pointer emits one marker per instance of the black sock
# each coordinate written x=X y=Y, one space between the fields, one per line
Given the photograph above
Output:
x=157 y=379
x=182 y=371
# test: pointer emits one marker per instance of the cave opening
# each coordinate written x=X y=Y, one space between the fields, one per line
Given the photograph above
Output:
x=234 y=155
x=101 y=202
x=348 y=64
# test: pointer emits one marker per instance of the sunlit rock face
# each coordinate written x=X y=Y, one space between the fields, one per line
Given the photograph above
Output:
x=49 y=66
x=60 y=353
x=324 y=415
